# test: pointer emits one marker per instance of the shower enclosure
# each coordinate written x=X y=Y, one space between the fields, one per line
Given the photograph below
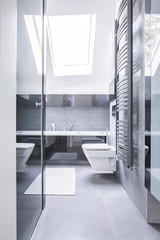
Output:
x=79 y=87
x=30 y=113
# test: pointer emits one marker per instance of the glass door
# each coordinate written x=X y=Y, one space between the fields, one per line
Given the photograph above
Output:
x=152 y=108
x=155 y=99
x=30 y=112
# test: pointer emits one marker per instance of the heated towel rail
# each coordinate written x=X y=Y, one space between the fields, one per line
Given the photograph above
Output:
x=123 y=37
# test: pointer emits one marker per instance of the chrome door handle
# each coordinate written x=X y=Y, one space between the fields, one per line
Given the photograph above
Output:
x=39 y=104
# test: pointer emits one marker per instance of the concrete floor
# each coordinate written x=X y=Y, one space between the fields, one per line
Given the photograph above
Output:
x=100 y=210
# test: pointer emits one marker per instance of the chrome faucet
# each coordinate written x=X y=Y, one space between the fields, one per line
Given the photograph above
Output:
x=70 y=126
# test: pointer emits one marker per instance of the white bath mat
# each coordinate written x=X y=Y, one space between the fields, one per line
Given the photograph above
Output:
x=59 y=181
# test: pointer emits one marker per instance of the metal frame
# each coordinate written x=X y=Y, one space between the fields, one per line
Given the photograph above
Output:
x=115 y=42
x=43 y=101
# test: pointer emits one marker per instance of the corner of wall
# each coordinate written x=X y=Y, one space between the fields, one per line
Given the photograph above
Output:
x=8 y=21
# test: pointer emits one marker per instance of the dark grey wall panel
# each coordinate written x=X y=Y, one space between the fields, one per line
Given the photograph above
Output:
x=88 y=112
x=28 y=116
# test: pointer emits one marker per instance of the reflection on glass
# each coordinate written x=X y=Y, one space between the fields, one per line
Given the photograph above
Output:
x=138 y=60
x=153 y=99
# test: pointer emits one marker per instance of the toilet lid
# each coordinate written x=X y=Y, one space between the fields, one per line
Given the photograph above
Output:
x=24 y=145
x=96 y=146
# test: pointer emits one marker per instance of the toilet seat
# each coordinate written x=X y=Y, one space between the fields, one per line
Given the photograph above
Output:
x=96 y=146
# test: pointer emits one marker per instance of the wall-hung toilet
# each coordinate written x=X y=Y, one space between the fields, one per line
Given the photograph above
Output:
x=23 y=152
x=101 y=156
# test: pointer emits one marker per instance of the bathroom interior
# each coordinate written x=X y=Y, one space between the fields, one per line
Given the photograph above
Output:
x=87 y=99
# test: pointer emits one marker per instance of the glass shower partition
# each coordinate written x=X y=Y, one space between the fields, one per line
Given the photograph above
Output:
x=152 y=131
x=30 y=115
x=155 y=99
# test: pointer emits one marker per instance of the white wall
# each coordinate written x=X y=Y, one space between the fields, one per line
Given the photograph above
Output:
x=95 y=83
x=8 y=119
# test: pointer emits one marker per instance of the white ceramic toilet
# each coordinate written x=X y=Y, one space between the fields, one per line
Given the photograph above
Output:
x=23 y=151
x=101 y=156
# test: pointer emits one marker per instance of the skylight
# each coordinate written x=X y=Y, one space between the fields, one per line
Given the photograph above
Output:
x=71 y=42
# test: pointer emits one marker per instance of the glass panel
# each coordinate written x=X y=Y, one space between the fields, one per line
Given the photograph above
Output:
x=79 y=78
x=29 y=121
x=153 y=97
x=68 y=116
x=147 y=93
x=138 y=74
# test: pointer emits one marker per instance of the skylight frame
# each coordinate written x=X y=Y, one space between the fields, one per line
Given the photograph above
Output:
x=34 y=29
x=77 y=69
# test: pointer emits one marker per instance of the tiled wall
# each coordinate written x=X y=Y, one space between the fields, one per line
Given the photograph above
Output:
x=85 y=115
x=83 y=118
x=28 y=116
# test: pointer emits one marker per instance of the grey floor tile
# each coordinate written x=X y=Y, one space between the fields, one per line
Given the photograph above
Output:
x=74 y=218
x=28 y=206
x=27 y=221
x=87 y=182
x=29 y=202
x=126 y=220
x=100 y=210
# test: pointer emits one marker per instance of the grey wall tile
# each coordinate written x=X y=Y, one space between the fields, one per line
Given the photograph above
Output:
x=84 y=118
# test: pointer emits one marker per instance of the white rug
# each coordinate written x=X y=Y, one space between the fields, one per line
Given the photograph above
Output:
x=59 y=181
